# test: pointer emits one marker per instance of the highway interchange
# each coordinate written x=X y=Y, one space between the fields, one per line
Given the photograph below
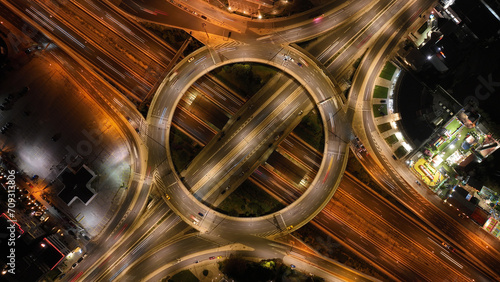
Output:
x=386 y=21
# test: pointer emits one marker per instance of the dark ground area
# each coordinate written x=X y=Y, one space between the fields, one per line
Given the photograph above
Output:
x=241 y=270
x=473 y=79
x=310 y=129
x=173 y=36
x=245 y=78
x=413 y=101
x=249 y=200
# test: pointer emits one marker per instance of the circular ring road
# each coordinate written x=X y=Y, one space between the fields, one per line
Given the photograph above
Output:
x=322 y=188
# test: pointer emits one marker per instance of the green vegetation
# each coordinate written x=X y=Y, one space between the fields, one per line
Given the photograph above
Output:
x=379 y=110
x=183 y=149
x=245 y=78
x=249 y=200
x=383 y=127
x=380 y=92
x=388 y=71
x=184 y=276
x=238 y=269
x=356 y=63
x=400 y=152
x=310 y=129
x=453 y=125
x=173 y=36
x=391 y=140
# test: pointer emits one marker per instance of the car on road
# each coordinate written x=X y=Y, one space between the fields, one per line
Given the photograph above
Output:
x=79 y=260
x=200 y=214
x=289 y=227
x=174 y=74
x=74 y=265
x=195 y=220
x=190 y=59
x=292 y=266
x=167 y=196
x=211 y=258
x=447 y=246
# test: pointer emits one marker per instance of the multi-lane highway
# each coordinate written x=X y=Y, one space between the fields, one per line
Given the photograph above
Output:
x=362 y=40
x=186 y=204
x=483 y=256
x=122 y=52
x=247 y=140
x=356 y=25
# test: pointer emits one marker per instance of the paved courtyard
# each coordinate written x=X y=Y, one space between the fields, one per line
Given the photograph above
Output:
x=56 y=125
